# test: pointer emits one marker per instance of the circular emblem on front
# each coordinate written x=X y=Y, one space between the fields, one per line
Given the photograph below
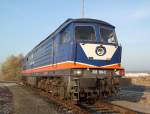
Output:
x=100 y=50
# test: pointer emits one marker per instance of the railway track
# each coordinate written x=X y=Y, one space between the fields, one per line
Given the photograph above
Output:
x=106 y=108
x=68 y=107
x=98 y=110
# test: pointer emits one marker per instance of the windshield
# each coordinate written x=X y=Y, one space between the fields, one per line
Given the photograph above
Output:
x=108 y=36
x=85 y=33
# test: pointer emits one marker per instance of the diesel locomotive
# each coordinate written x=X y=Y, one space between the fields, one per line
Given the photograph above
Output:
x=79 y=61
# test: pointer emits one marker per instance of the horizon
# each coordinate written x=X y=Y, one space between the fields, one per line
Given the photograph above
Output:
x=24 y=24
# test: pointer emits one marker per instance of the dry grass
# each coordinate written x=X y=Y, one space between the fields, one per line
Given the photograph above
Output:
x=145 y=81
x=1 y=76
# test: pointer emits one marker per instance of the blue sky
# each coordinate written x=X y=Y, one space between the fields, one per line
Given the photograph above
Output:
x=24 y=23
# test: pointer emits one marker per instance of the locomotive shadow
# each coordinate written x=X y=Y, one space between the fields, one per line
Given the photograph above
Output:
x=131 y=92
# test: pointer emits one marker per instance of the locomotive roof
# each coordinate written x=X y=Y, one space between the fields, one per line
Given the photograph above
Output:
x=88 y=20
x=68 y=21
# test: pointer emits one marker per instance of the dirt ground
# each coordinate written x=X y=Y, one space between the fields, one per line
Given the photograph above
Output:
x=25 y=102
x=15 y=99
x=6 y=103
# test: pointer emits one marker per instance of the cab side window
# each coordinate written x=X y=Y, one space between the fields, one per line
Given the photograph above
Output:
x=65 y=37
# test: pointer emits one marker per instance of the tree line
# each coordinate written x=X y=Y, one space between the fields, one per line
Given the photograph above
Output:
x=10 y=69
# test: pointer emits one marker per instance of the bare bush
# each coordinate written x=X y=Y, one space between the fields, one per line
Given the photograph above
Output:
x=10 y=69
x=1 y=78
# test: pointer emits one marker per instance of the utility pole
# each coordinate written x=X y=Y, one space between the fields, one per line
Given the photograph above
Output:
x=82 y=9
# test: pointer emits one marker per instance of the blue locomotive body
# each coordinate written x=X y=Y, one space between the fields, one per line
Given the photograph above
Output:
x=76 y=44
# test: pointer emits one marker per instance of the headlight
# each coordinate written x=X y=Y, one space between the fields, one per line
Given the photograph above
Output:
x=102 y=72
x=77 y=72
x=94 y=72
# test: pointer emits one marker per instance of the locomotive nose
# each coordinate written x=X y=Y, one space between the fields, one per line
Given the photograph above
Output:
x=97 y=51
